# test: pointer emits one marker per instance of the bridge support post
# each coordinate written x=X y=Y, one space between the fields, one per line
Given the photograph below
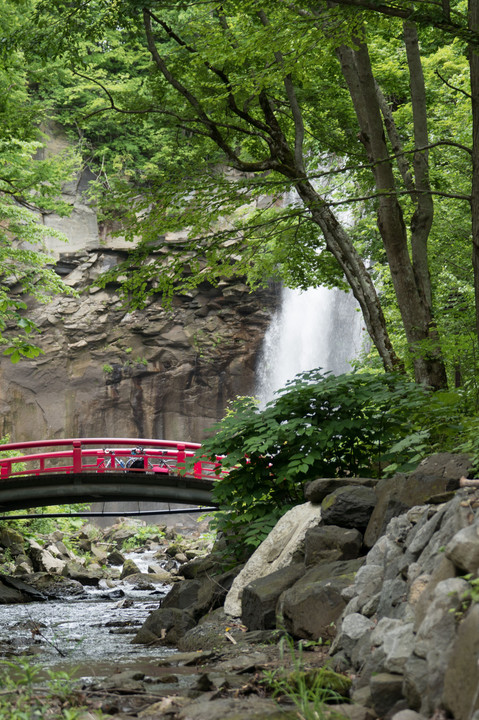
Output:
x=77 y=456
x=181 y=457
x=5 y=470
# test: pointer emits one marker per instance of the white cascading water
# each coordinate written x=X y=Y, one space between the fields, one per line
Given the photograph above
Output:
x=317 y=328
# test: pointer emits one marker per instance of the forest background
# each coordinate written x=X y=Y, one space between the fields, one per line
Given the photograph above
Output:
x=356 y=123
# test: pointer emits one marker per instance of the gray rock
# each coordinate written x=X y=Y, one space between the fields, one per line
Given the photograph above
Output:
x=384 y=626
x=55 y=586
x=349 y=507
x=199 y=566
x=385 y=553
x=425 y=532
x=415 y=681
x=201 y=595
x=398 y=644
x=327 y=543
x=165 y=626
x=444 y=570
x=407 y=715
x=44 y=561
x=435 y=638
x=392 y=600
x=352 y=628
x=13 y=540
x=261 y=597
x=463 y=549
x=461 y=678
x=129 y=568
x=275 y=552
x=312 y=606
x=81 y=574
x=436 y=474
x=389 y=504
x=240 y=708
x=115 y=558
x=368 y=582
x=386 y=691
x=316 y=490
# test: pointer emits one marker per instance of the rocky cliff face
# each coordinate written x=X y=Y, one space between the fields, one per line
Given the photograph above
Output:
x=107 y=371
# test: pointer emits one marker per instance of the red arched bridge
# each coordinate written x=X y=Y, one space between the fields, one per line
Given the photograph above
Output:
x=87 y=470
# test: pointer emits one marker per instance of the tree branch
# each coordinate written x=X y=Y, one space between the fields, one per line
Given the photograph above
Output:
x=453 y=87
x=294 y=105
x=203 y=118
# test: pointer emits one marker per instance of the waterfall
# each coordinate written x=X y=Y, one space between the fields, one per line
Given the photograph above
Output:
x=317 y=328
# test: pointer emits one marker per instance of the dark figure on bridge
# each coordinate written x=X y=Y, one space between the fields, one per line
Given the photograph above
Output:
x=136 y=463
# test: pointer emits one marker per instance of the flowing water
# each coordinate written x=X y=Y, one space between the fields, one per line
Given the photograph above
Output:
x=91 y=635
x=318 y=328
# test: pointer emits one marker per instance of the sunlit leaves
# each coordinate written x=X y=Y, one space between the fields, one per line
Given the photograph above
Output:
x=319 y=426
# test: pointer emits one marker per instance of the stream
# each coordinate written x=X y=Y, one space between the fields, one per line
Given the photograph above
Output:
x=90 y=636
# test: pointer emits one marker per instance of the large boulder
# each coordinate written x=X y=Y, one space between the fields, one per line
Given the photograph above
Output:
x=312 y=606
x=201 y=595
x=278 y=551
x=129 y=568
x=13 y=590
x=9 y=595
x=82 y=574
x=316 y=490
x=55 y=586
x=434 y=476
x=328 y=543
x=165 y=626
x=13 y=540
x=349 y=507
x=43 y=560
x=261 y=596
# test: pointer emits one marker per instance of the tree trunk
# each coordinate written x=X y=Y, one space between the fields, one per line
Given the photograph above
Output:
x=412 y=292
x=340 y=245
x=473 y=9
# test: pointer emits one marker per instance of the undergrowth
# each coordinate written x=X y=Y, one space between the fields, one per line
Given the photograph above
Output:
x=31 y=693
x=310 y=690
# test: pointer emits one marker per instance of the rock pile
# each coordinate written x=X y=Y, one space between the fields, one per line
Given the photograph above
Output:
x=385 y=572
x=54 y=567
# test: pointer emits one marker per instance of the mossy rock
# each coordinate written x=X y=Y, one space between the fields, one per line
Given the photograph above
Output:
x=129 y=568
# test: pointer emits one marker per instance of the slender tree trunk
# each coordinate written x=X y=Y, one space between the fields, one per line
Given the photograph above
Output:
x=340 y=245
x=474 y=70
x=412 y=293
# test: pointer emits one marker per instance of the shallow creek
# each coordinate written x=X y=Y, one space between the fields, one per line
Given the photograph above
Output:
x=90 y=636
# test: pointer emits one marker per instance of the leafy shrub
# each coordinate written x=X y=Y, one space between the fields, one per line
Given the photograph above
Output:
x=27 y=693
x=319 y=426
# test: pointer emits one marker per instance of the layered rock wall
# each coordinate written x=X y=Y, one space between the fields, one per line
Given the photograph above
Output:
x=107 y=371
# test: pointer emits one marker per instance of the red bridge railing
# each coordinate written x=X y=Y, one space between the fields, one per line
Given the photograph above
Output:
x=105 y=455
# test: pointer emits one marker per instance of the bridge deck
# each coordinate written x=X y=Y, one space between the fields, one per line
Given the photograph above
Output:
x=97 y=470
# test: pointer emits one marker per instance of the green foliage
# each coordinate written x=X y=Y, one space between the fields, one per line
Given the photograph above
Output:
x=142 y=534
x=358 y=424
x=43 y=526
x=161 y=168
x=30 y=183
x=27 y=694
x=319 y=426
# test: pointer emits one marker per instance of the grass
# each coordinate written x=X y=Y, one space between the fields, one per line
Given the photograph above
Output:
x=310 y=690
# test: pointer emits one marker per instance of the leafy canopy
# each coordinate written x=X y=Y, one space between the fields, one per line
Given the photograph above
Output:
x=30 y=185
